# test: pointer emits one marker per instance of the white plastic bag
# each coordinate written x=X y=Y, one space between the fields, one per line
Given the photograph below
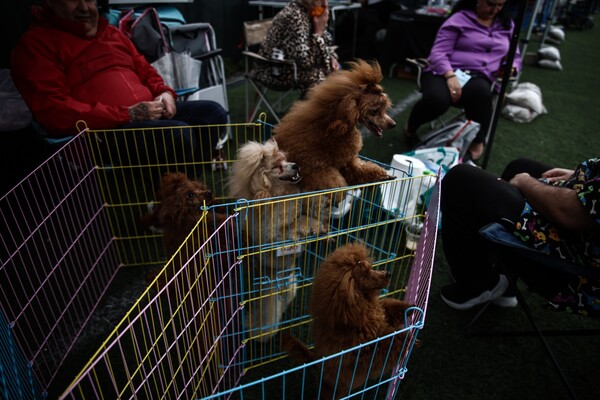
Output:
x=524 y=103
x=179 y=70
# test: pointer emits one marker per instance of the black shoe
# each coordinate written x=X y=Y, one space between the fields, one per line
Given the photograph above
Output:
x=410 y=138
x=459 y=299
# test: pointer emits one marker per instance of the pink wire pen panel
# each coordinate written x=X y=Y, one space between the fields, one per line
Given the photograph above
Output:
x=93 y=306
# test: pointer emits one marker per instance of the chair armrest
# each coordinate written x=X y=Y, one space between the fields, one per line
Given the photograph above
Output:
x=418 y=62
x=254 y=55
x=208 y=54
x=498 y=234
x=273 y=63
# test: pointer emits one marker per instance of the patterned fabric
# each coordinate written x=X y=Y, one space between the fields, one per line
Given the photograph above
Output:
x=291 y=32
x=580 y=295
x=577 y=247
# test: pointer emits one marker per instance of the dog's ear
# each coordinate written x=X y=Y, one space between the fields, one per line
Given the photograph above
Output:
x=347 y=110
x=260 y=185
x=371 y=88
x=169 y=183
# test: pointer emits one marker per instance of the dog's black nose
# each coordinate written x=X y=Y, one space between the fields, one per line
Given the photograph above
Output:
x=295 y=167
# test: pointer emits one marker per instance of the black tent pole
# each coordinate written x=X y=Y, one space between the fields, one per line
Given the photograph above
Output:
x=514 y=43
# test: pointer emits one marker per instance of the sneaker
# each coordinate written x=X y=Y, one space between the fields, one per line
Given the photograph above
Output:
x=456 y=298
x=506 y=301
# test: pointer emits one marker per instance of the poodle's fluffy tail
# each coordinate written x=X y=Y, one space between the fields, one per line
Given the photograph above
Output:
x=296 y=349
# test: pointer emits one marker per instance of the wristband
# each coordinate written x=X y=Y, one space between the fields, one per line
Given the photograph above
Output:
x=450 y=76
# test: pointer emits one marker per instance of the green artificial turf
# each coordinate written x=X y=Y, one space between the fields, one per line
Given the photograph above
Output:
x=450 y=364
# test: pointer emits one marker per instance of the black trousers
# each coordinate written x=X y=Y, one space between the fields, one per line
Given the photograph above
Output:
x=472 y=198
x=177 y=140
x=476 y=99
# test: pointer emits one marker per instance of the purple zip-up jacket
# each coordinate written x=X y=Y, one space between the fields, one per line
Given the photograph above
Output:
x=463 y=43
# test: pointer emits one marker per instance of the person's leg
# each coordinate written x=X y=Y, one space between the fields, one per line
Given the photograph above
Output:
x=209 y=114
x=434 y=102
x=471 y=199
x=477 y=101
x=150 y=142
x=532 y=167
x=539 y=278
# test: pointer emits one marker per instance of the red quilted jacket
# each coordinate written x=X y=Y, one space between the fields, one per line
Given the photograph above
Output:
x=65 y=76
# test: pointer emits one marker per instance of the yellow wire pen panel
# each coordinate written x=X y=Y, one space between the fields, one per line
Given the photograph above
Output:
x=212 y=310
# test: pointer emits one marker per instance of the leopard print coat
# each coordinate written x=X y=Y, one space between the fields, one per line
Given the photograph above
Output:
x=292 y=33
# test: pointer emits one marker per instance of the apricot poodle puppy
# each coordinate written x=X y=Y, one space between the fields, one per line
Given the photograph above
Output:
x=262 y=172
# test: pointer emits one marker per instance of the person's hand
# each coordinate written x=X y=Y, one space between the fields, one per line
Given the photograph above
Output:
x=454 y=88
x=146 y=110
x=320 y=22
x=335 y=64
x=169 y=107
x=557 y=174
x=521 y=180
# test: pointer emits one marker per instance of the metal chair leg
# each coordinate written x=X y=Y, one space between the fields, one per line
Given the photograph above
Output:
x=536 y=332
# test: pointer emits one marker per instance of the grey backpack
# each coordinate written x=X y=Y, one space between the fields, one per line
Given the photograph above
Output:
x=458 y=134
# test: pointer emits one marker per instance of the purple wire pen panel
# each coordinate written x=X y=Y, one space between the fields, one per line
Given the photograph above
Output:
x=106 y=294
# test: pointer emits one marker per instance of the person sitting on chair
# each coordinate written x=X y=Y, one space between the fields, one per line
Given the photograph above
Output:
x=299 y=33
x=72 y=65
x=553 y=210
x=474 y=39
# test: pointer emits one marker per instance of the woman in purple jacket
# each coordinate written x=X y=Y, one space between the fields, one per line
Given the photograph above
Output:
x=475 y=39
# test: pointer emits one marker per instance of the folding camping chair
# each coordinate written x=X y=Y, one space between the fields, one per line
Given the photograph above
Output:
x=177 y=50
x=505 y=243
x=273 y=98
x=199 y=41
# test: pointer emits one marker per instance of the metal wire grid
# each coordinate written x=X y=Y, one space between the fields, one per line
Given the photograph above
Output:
x=119 y=205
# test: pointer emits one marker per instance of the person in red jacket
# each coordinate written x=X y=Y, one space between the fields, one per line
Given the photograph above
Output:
x=72 y=65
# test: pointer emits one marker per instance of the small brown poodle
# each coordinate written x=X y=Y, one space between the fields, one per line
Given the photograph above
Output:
x=202 y=269
x=320 y=133
x=179 y=208
x=347 y=312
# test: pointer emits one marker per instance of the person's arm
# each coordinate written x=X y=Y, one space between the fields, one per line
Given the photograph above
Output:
x=41 y=80
x=307 y=48
x=560 y=205
x=443 y=47
x=439 y=57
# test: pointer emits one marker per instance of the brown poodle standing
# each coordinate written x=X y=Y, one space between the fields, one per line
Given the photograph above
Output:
x=347 y=312
x=321 y=133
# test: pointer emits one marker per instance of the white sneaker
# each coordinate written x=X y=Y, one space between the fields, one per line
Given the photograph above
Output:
x=506 y=301
x=452 y=298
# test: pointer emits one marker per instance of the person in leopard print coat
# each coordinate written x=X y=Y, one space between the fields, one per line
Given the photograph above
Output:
x=299 y=30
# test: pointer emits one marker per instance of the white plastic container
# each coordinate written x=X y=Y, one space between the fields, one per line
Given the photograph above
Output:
x=401 y=197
